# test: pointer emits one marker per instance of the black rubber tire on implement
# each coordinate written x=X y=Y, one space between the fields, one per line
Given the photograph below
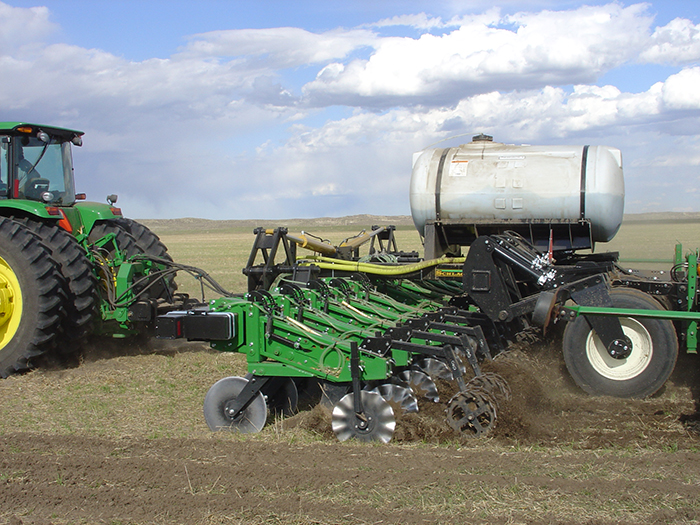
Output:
x=27 y=272
x=653 y=358
x=150 y=244
x=81 y=292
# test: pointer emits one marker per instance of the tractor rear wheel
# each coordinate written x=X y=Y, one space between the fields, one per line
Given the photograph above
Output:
x=124 y=240
x=31 y=297
x=150 y=244
x=146 y=243
x=643 y=372
x=81 y=292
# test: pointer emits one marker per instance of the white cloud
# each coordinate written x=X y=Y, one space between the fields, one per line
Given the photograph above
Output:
x=23 y=28
x=545 y=48
x=282 y=47
x=678 y=42
x=419 y=21
x=682 y=91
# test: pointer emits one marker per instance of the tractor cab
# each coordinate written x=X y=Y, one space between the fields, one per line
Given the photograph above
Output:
x=36 y=163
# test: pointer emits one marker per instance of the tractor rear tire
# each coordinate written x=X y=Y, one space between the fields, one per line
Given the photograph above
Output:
x=124 y=240
x=131 y=245
x=31 y=298
x=81 y=292
x=653 y=357
x=150 y=244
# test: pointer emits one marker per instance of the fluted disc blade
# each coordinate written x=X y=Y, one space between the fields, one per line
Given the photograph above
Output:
x=376 y=423
x=401 y=398
x=435 y=369
x=421 y=384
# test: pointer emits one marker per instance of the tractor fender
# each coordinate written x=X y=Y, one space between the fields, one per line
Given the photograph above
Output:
x=26 y=207
x=93 y=212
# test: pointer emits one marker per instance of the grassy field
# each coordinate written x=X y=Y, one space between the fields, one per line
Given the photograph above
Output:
x=645 y=240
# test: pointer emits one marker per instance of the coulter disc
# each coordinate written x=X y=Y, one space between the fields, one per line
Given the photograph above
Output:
x=400 y=398
x=376 y=423
x=435 y=368
x=217 y=403
x=421 y=384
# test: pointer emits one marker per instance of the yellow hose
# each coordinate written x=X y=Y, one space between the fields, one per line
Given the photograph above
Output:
x=327 y=263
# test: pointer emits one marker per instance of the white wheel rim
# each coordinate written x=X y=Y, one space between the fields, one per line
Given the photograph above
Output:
x=621 y=369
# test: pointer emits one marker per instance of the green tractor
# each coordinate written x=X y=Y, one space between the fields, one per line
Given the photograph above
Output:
x=68 y=268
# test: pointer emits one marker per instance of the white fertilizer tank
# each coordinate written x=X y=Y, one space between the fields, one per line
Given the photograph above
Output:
x=490 y=181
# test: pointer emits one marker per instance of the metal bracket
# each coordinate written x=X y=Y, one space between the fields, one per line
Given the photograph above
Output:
x=255 y=383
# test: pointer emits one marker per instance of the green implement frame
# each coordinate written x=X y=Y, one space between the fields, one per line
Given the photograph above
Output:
x=688 y=317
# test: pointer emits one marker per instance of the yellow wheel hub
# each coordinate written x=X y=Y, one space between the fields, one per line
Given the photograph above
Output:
x=10 y=303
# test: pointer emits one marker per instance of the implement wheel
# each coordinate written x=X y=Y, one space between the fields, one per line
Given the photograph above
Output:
x=31 y=297
x=217 y=403
x=643 y=372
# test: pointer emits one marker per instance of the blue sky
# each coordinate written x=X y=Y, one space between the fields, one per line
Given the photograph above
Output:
x=273 y=110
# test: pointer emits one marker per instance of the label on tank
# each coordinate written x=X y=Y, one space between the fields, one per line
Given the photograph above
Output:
x=458 y=168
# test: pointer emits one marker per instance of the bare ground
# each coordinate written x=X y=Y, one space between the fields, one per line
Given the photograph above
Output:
x=555 y=456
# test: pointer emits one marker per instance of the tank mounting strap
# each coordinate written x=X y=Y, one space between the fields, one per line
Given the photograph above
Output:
x=438 y=181
x=584 y=167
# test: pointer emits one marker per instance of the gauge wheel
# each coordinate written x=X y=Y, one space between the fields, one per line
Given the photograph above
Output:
x=217 y=404
x=643 y=372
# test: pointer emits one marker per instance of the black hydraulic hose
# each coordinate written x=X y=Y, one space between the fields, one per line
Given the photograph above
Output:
x=153 y=278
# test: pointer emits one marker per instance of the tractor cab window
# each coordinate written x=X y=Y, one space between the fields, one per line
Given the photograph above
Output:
x=44 y=171
x=4 y=164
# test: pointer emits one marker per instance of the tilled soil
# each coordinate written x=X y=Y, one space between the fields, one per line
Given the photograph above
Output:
x=555 y=456
x=58 y=479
